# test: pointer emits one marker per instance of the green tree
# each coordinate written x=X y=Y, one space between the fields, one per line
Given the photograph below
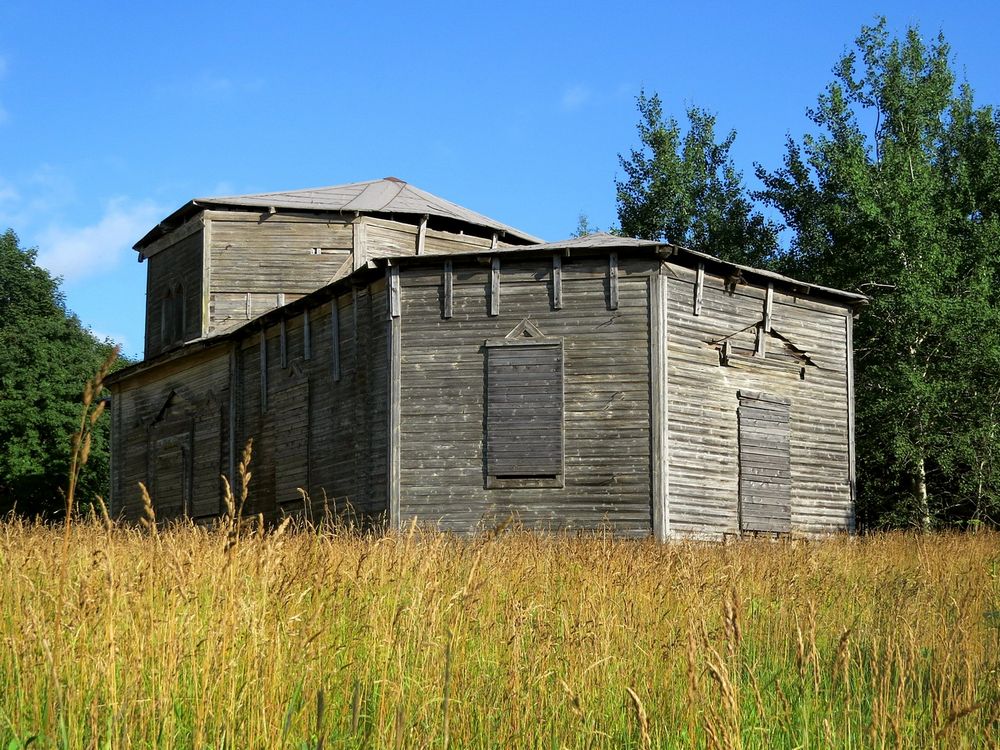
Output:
x=897 y=195
x=46 y=358
x=684 y=189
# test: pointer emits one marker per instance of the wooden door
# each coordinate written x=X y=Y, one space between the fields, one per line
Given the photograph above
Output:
x=765 y=464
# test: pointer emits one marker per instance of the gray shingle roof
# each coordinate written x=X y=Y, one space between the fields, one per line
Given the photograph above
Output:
x=386 y=196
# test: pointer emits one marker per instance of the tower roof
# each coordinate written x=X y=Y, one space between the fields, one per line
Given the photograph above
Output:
x=389 y=195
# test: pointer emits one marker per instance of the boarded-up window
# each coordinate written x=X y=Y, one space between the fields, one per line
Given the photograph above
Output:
x=170 y=489
x=765 y=466
x=524 y=417
x=289 y=426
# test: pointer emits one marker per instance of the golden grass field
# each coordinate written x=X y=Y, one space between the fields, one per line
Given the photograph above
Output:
x=189 y=637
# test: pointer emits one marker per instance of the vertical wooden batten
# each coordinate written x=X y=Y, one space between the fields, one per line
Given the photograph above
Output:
x=392 y=280
x=393 y=412
x=115 y=449
x=495 y=285
x=263 y=371
x=206 y=274
x=699 y=289
x=306 y=336
x=234 y=391
x=557 y=282
x=283 y=344
x=335 y=339
x=659 y=404
x=768 y=307
x=851 y=456
x=449 y=290
x=422 y=234
x=613 y=281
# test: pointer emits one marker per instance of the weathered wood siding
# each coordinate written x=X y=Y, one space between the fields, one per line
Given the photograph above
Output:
x=703 y=401
x=310 y=429
x=178 y=264
x=170 y=431
x=260 y=261
x=314 y=431
x=606 y=393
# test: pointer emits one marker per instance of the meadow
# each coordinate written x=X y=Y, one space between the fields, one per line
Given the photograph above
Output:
x=310 y=637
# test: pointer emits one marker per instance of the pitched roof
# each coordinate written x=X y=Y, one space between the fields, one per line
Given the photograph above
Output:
x=605 y=241
x=597 y=241
x=389 y=195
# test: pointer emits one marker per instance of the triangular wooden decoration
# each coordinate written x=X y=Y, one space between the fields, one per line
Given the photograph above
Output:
x=173 y=399
x=525 y=330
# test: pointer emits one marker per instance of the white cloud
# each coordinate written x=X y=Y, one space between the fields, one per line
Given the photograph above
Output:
x=575 y=97
x=77 y=252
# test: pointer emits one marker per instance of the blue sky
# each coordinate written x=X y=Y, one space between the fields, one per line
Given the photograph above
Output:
x=114 y=114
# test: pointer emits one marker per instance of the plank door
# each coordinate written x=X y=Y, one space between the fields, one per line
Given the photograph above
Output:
x=765 y=465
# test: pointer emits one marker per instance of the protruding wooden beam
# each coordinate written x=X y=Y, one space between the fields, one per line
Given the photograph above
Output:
x=557 y=282
x=495 y=285
x=394 y=301
x=360 y=243
x=727 y=352
x=760 y=350
x=306 y=335
x=768 y=307
x=422 y=234
x=613 y=281
x=335 y=339
x=699 y=289
x=496 y=241
x=449 y=290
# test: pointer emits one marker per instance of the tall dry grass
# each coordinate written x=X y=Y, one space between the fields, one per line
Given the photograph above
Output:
x=194 y=637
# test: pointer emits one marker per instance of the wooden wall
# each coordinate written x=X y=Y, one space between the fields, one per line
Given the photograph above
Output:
x=260 y=261
x=606 y=387
x=319 y=429
x=180 y=263
x=180 y=406
x=703 y=401
x=318 y=421
x=313 y=390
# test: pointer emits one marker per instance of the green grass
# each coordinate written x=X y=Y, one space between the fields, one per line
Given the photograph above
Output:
x=305 y=639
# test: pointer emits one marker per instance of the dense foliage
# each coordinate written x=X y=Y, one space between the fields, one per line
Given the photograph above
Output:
x=896 y=195
x=46 y=357
x=684 y=189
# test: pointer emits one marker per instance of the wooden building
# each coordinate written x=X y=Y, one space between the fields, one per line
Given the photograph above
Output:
x=399 y=355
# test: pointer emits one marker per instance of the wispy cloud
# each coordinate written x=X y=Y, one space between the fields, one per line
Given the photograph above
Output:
x=574 y=97
x=77 y=252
